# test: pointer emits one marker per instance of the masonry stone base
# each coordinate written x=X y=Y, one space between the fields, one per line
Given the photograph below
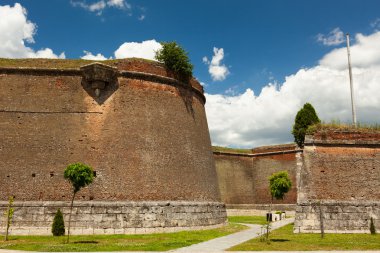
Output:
x=337 y=217
x=92 y=217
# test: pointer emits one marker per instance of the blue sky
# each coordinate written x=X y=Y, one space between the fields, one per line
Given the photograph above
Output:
x=258 y=43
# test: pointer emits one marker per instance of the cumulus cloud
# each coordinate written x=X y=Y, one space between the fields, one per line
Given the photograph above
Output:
x=99 y=6
x=16 y=31
x=217 y=70
x=249 y=119
x=89 y=56
x=333 y=38
x=146 y=49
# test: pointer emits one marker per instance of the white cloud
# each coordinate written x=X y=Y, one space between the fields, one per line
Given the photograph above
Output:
x=142 y=17
x=16 y=31
x=89 y=56
x=99 y=6
x=333 y=38
x=376 y=24
x=145 y=49
x=250 y=119
x=217 y=70
x=364 y=53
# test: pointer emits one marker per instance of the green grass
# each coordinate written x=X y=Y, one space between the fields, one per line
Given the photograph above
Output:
x=60 y=63
x=260 y=220
x=149 y=242
x=232 y=150
x=338 y=126
x=284 y=239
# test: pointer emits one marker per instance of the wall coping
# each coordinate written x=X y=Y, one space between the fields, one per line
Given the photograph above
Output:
x=126 y=74
x=329 y=202
x=312 y=142
x=258 y=154
x=79 y=203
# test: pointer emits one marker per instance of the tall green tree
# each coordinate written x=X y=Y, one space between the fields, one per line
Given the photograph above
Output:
x=79 y=175
x=304 y=118
x=175 y=59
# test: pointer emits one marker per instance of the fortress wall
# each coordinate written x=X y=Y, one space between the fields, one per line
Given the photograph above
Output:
x=339 y=182
x=146 y=137
x=118 y=217
x=243 y=178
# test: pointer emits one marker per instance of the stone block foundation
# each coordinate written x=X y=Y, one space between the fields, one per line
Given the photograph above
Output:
x=337 y=217
x=95 y=217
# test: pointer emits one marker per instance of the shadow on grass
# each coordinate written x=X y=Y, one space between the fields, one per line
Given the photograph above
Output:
x=279 y=240
x=86 y=242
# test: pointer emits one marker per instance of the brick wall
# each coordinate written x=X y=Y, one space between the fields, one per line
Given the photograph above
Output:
x=243 y=178
x=340 y=177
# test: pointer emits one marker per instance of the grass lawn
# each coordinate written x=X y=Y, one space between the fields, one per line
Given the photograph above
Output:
x=284 y=239
x=151 y=242
x=260 y=220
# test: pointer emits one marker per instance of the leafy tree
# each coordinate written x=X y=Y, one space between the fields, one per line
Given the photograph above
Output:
x=279 y=185
x=79 y=175
x=176 y=59
x=304 y=118
x=58 y=227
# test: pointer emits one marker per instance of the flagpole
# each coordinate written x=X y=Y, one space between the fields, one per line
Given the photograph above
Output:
x=351 y=82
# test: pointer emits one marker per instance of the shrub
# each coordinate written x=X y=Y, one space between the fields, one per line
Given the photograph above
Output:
x=372 y=228
x=175 y=59
x=279 y=184
x=304 y=118
x=58 y=227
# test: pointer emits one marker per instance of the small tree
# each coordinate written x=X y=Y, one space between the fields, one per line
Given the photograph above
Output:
x=304 y=118
x=279 y=185
x=372 y=228
x=175 y=59
x=79 y=175
x=58 y=226
x=9 y=216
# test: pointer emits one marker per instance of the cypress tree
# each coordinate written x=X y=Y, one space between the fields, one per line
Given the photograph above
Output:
x=58 y=227
x=304 y=118
x=372 y=228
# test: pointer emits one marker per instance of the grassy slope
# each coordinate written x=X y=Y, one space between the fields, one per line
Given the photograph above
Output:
x=284 y=239
x=150 y=242
x=58 y=63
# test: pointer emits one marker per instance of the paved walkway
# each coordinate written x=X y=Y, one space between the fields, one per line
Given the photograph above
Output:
x=226 y=242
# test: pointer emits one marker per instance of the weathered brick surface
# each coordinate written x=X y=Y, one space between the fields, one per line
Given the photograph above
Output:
x=243 y=179
x=146 y=140
x=343 y=174
x=116 y=217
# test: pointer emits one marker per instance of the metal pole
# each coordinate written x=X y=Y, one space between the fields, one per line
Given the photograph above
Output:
x=351 y=82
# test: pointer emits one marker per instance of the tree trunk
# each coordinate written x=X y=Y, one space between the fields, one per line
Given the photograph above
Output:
x=7 y=229
x=71 y=210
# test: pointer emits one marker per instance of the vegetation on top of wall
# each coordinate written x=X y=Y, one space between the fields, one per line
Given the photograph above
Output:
x=175 y=59
x=231 y=150
x=60 y=63
x=338 y=126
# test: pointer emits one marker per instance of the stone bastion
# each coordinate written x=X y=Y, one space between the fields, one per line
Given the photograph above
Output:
x=339 y=182
x=144 y=132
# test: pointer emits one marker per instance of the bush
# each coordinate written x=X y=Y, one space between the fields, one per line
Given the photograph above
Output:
x=58 y=227
x=279 y=184
x=175 y=59
x=372 y=228
x=304 y=118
